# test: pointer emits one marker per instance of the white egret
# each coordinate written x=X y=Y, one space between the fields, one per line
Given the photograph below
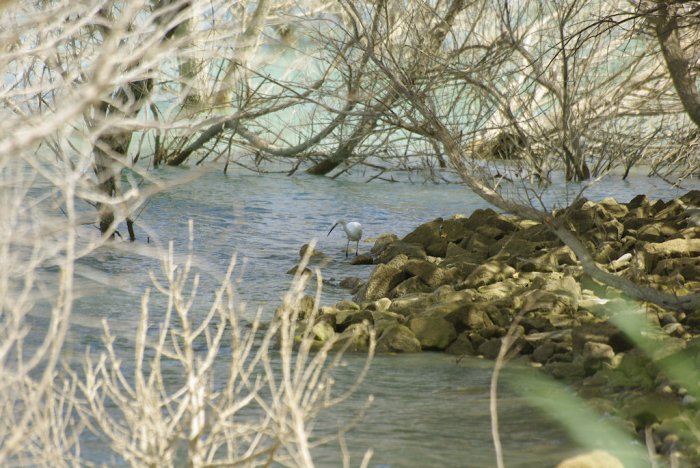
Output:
x=353 y=230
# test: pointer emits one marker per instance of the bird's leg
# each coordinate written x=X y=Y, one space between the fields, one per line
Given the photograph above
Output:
x=346 y=249
x=357 y=247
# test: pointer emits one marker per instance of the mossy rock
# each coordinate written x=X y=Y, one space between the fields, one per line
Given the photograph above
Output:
x=425 y=234
x=433 y=332
x=383 y=279
x=398 y=249
x=487 y=273
x=409 y=286
x=470 y=316
x=398 y=339
x=461 y=346
x=410 y=303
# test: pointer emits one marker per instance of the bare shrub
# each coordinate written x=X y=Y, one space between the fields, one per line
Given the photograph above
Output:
x=208 y=387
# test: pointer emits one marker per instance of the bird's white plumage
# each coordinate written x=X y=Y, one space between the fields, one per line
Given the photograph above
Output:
x=353 y=231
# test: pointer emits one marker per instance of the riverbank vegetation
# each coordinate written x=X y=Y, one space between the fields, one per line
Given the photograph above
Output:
x=498 y=95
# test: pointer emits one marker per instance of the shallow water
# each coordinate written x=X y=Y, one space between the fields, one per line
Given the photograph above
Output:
x=428 y=410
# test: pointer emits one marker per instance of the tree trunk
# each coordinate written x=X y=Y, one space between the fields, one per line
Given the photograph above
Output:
x=678 y=64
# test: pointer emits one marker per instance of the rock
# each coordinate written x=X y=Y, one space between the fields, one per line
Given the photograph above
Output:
x=398 y=339
x=409 y=286
x=594 y=459
x=543 y=352
x=296 y=269
x=653 y=252
x=355 y=338
x=383 y=279
x=323 y=331
x=400 y=248
x=594 y=354
x=350 y=282
x=687 y=267
x=433 y=332
x=501 y=316
x=606 y=252
x=345 y=318
x=672 y=210
x=469 y=316
x=568 y=371
x=516 y=246
x=489 y=272
x=478 y=244
x=425 y=234
x=463 y=264
x=409 y=304
x=386 y=316
x=617 y=210
x=604 y=332
x=538 y=233
x=362 y=259
x=382 y=242
x=560 y=284
x=621 y=262
x=490 y=348
x=655 y=232
x=302 y=309
x=429 y=273
x=447 y=293
x=437 y=248
x=535 y=322
x=454 y=230
x=313 y=253
x=380 y=305
x=437 y=309
x=692 y=197
x=554 y=336
x=499 y=290
x=346 y=304
x=482 y=218
x=453 y=249
x=639 y=201
x=461 y=346
x=551 y=304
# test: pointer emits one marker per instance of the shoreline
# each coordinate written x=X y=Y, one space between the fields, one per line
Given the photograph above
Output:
x=458 y=285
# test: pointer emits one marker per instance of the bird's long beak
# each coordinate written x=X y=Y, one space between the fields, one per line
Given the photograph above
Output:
x=329 y=232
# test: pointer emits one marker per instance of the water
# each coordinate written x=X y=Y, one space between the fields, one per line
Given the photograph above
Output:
x=428 y=409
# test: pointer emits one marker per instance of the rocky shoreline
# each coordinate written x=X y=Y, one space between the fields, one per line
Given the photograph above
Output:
x=458 y=285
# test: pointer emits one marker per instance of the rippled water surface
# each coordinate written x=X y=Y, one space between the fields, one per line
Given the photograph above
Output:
x=428 y=409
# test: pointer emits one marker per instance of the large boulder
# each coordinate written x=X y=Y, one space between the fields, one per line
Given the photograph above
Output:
x=558 y=283
x=688 y=267
x=383 y=279
x=470 y=316
x=398 y=249
x=411 y=303
x=433 y=332
x=461 y=346
x=456 y=229
x=410 y=285
x=425 y=234
x=398 y=339
x=652 y=253
x=382 y=242
x=486 y=273
x=429 y=273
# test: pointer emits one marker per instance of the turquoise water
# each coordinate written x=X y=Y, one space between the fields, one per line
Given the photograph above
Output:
x=429 y=409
